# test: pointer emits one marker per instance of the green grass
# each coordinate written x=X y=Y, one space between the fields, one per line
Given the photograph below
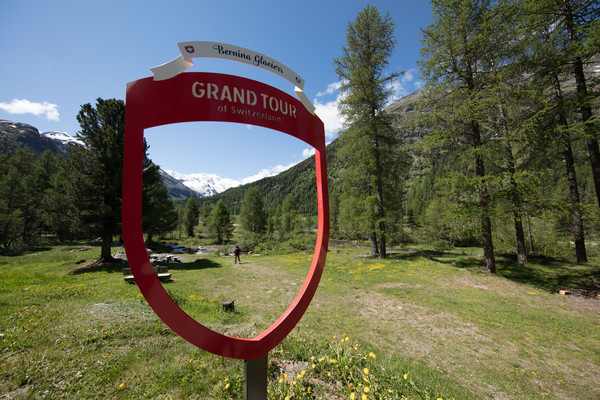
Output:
x=433 y=317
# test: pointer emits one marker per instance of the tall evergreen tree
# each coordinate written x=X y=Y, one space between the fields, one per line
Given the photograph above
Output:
x=581 y=21
x=288 y=218
x=220 y=226
x=454 y=62
x=191 y=214
x=97 y=169
x=253 y=217
x=368 y=140
x=548 y=63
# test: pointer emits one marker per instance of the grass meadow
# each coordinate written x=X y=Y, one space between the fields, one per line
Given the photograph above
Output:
x=421 y=324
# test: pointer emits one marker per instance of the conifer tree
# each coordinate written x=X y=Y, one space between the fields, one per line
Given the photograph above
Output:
x=253 y=217
x=454 y=59
x=191 y=214
x=96 y=169
x=220 y=226
x=552 y=55
x=368 y=140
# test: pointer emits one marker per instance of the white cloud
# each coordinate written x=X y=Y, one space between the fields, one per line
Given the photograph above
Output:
x=330 y=115
x=308 y=152
x=404 y=85
x=328 y=111
x=48 y=110
x=331 y=89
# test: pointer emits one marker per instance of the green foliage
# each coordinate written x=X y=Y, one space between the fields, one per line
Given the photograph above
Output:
x=252 y=215
x=96 y=169
x=158 y=212
x=369 y=144
x=444 y=221
x=191 y=214
x=220 y=226
x=288 y=216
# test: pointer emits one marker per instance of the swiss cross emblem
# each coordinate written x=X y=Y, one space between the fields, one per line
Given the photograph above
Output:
x=189 y=49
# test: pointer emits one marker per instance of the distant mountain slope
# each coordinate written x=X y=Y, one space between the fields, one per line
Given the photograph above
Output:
x=299 y=181
x=16 y=135
x=176 y=189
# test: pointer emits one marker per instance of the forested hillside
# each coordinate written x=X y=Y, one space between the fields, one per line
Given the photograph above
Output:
x=298 y=181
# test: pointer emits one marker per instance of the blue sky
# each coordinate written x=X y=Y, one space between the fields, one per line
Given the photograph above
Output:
x=58 y=55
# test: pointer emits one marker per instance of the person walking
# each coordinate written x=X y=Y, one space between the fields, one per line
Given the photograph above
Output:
x=236 y=254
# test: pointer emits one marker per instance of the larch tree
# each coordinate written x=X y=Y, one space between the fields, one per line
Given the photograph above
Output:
x=220 y=226
x=553 y=55
x=191 y=214
x=368 y=140
x=253 y=217
x=454 y=61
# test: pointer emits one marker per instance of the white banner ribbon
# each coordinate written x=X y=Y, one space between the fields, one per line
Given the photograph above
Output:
x=201 y=49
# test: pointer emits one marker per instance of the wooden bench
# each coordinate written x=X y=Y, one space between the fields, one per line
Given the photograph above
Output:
x=161 y=272
x=161 y=277
x=157 y=269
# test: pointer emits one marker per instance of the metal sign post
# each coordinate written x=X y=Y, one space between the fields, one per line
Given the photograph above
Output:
x=255 y=378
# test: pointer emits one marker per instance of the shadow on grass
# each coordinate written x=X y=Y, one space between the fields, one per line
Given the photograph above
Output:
x=541 y=272
x=550 y=274
x=201 y=263
x=117 y=267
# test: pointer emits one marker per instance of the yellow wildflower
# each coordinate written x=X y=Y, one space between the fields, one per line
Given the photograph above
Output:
x=372 y=355
x=405 y=376
x=366 y=389
x=227 y=386
x=352 y=396
x=122 y=385
x=364 y=397
x=366 y=371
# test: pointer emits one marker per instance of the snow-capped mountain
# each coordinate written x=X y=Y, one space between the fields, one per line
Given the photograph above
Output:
x=209 y=184
x=61 y=137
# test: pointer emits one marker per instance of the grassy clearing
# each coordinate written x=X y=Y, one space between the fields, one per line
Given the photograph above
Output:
x=438 y=327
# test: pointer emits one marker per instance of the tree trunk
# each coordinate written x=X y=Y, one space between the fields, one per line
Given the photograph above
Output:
x=574 y=201
x=514 y=194
x=380 y=207
x=484 y=199
x=586 y=109
x=576 y=212
x=105 y=253
x=374 y=247
x=529 y=235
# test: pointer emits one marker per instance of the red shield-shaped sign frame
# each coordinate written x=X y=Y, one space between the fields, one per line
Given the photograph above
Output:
x=199 y=96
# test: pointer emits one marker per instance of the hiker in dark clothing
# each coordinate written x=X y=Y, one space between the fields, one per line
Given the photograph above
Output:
x=236 y=254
